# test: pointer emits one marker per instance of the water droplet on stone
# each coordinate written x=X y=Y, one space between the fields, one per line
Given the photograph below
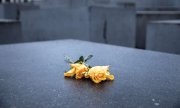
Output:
x=153 y=100
x=157 y=104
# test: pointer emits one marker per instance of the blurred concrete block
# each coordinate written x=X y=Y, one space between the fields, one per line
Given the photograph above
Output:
x=100 y=1
x=1 y=11
x=28 y=6
x=98 y=24
x=144 y=17
x=55 y=23
x=113 y=24
x=10 y=31
x=164 y=36
x=140 y=4
x=8 y=11
x=177 y=4
x=163 y=4
x=154 y=4
x=52 y=3
x=62 y=3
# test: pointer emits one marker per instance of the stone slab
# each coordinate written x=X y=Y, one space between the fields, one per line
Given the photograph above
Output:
x=10 y=31
x=8 y=11
x=164 y=36
x=144 y=17
x=1 y=11
x=140 y=4
x=154 y=4
x=55 y=23
x=113 y=24
x=31 y=76
x=28 y=6
x=175 y=22
x=62 y=3
x=177 y=4
x=2 y=21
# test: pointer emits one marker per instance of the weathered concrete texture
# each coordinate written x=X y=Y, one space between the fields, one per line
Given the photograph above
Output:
x=8 y=11
x=141 y=4
x=113 y=24
x=10 y=31
x=31 y=76
x=70 y=3
x=1 y=11
x=154 y=4
x=61 y=3
x=99 y=2
x=162 y=4
x=57 y=23
x=177 y=4
x=28 y=6
x=164 y=36
x=144 y=17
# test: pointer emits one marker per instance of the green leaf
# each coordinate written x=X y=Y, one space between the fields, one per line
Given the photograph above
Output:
x=88 y=57
x=88 y=66
x=68 y=59
x=81 y=60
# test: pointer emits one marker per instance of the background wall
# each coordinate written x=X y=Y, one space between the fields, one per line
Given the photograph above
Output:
x=55 y=23
x=140 y=4
x=119 y=22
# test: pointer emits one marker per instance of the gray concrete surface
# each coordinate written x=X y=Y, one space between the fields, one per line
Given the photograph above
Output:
x=8 y=11
x=31 y=76
x=113 y=24
x=141 y=4
x=144 y=17
x=177 y=4
x=62 y=3
x=28 y=6
x=55 y=23
x=164 y=36
x=10 y=31
x=1 y=11
x=154 y=4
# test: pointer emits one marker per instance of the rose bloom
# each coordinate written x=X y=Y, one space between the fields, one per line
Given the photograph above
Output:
x=78 y=70
x=99 y=73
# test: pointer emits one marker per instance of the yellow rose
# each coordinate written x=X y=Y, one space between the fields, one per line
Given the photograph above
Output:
x=78 y=70
x=70 y=73
x=99 y=73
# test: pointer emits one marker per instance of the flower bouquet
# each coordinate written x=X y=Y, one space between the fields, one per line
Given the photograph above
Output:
x=80 y=69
